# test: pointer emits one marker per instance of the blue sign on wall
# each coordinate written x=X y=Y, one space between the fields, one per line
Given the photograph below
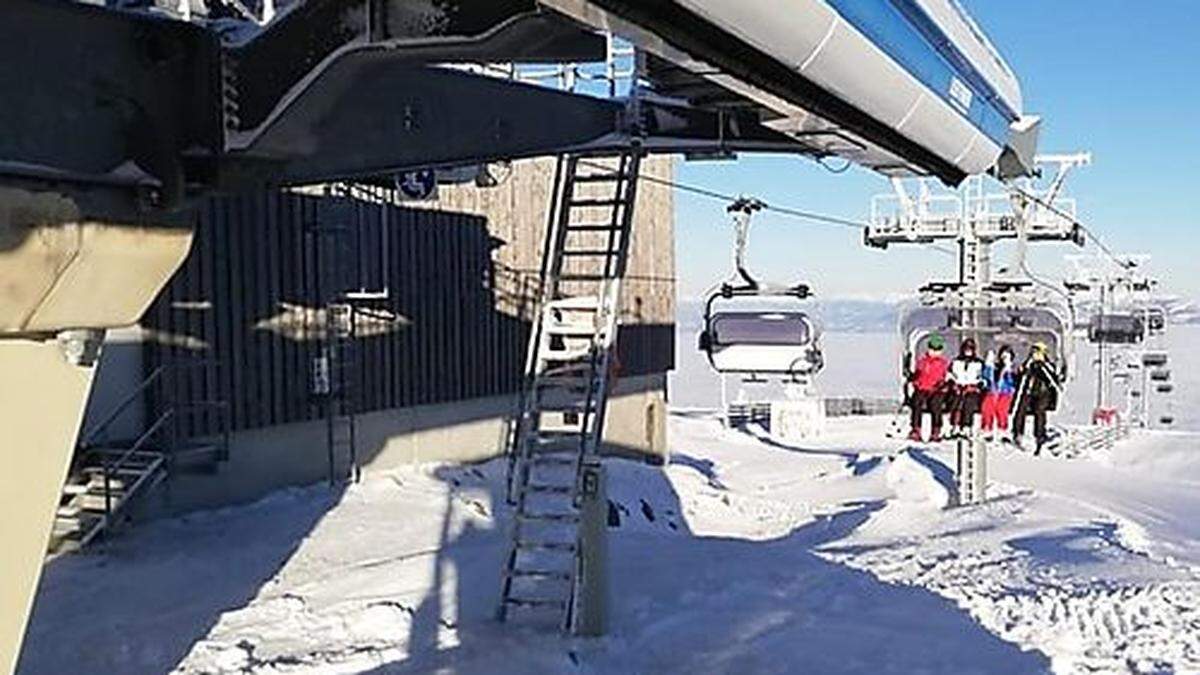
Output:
x=420 y=184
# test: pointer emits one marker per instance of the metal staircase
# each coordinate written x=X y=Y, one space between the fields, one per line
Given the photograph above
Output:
x=558 y=430
x=110 y=475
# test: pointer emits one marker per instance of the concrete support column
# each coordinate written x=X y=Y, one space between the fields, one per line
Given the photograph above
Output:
x=42 y=399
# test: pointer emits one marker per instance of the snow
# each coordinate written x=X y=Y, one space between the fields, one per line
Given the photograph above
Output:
x=921 y=480
x=745 y=553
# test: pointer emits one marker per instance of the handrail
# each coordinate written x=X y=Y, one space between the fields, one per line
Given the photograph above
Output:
x=121 y=407
x=111 y=467
x=90 y=438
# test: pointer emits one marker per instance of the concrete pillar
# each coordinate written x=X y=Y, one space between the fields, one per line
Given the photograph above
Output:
x=42 y=398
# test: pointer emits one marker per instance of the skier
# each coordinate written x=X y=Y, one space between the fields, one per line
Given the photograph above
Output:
x=966 y=373
x=999 y=372
x=1037 y=394
x=929 y=387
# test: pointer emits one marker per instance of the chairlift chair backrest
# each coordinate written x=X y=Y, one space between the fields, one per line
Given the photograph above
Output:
x=1017 y=328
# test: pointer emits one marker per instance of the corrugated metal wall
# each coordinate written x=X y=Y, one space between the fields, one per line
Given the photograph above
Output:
x=250 y=296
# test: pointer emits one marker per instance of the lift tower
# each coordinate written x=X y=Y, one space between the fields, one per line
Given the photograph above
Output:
x=976 y=220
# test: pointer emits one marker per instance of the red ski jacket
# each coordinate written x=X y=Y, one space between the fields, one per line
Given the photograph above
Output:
x=931 y=372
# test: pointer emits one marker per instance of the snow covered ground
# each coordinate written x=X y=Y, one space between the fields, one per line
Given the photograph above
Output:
x=744 y=555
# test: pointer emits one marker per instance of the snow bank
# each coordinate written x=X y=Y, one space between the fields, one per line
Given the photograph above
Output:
x=918 y=478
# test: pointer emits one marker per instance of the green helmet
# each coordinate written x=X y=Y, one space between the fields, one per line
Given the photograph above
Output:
x=937 y=342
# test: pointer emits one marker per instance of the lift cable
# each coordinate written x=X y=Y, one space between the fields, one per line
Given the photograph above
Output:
x=729 y=199
x=1087 y=231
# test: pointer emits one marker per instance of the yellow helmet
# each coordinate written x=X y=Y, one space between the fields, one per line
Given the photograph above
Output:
x=1041 y=348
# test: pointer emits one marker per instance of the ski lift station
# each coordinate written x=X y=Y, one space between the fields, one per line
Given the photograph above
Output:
x=248 y=245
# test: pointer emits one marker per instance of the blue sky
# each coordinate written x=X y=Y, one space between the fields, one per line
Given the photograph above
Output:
x=1116 y=77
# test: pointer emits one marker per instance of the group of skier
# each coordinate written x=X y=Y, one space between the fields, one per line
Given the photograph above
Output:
x=994 y=387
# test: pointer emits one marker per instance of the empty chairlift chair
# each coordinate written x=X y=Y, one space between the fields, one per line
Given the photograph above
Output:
x=761 y=335
x=1117 y=329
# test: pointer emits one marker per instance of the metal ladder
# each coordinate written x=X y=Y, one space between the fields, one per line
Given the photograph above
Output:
x=354 y=284
x=342 y=362
x=559 y=426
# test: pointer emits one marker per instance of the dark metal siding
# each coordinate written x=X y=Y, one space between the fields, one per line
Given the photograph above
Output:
x=256 y=266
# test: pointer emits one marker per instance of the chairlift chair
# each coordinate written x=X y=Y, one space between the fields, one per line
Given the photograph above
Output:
x=1154 y=359
x=1117 y=328
x=758 y=334
x=757 y=331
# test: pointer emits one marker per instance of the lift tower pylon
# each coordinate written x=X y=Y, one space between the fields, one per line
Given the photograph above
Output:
x=975 y=220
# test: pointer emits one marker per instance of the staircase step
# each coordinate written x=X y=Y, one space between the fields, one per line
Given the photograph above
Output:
x=124 y=471
x=144 y=456
x=95 y=502
x=95 y=474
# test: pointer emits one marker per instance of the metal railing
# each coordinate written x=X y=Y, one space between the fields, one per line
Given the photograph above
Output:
x=113 y=461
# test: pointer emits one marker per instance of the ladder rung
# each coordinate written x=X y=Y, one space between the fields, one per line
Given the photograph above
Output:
x=546 y=488
x=552 y=435
x=600 y=177
x=577 y=407
x=568 y=329
x=551 y=461
x=592 y=203
x=536 y=602
x=553 y=517
x=540 y=574
x=593 y=227
x=596 y=252
x=559 y=546
x=562 y=381
x=571 y=445
x=583 y=277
